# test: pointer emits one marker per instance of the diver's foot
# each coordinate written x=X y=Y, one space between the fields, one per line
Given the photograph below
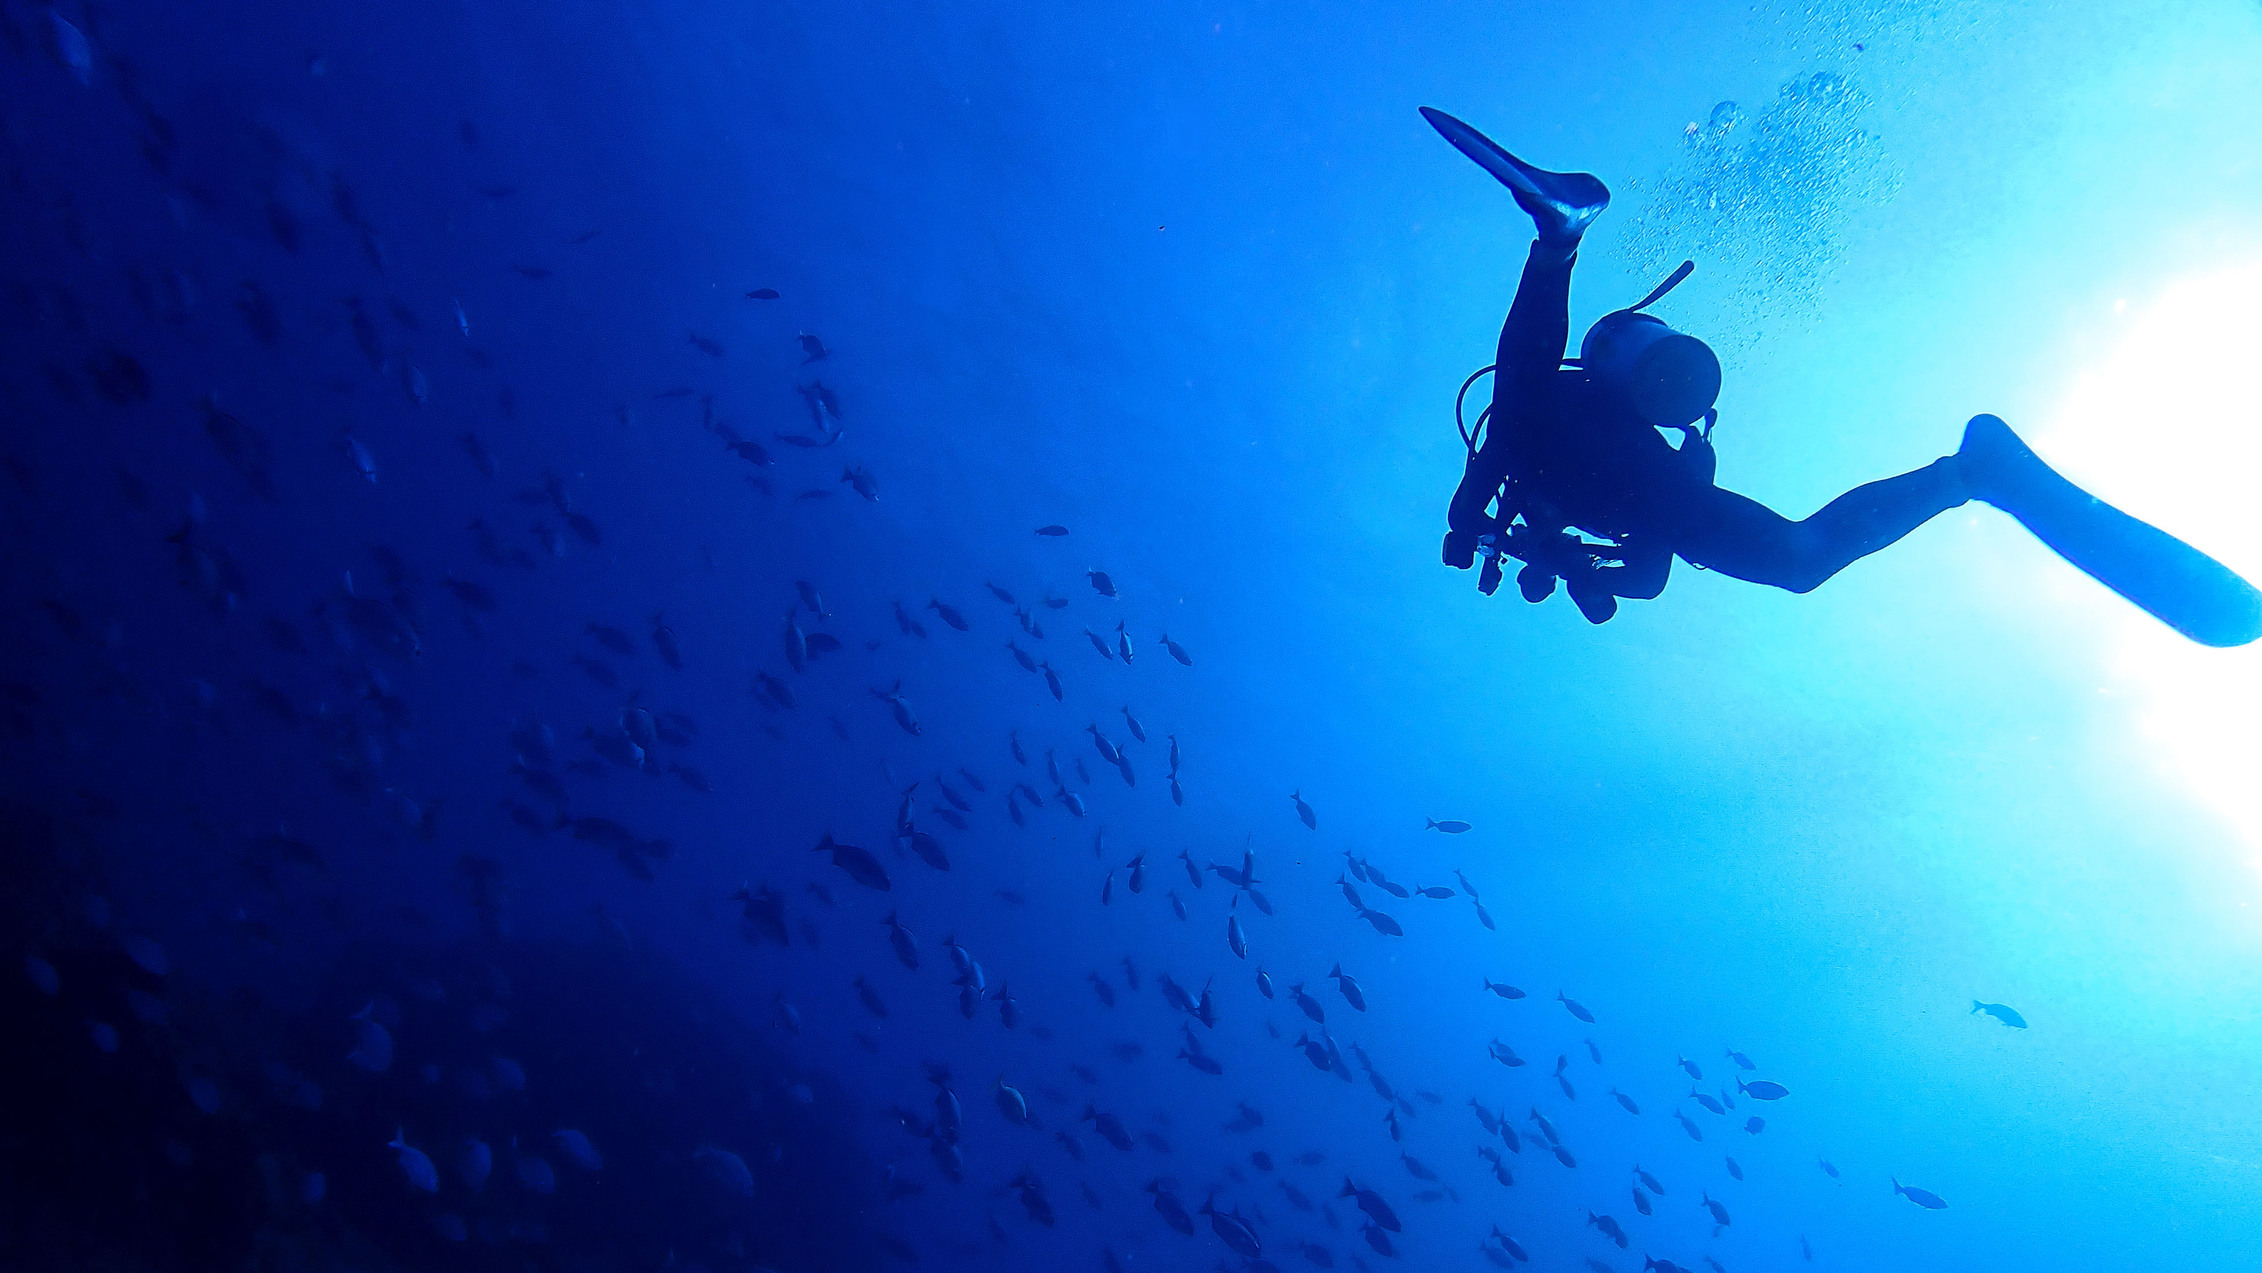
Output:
x=1562 y=215
x=1561 y=204
x=1994 y=464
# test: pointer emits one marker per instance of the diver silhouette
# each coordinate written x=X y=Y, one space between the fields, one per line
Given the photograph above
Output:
x=1575 y=444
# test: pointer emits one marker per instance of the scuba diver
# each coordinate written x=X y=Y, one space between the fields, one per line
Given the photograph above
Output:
x=1574 y=444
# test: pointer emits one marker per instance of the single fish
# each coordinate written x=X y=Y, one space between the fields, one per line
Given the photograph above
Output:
x=870 y=998
x=1109 y=752
x=1762 y=1090
x=906 y=624
x=422 y=1175
x=1232 y=1230
x=1304 y=812
x=725 y=1170
x=929 y=849
x=577 y=1149
x=1575 y=1007
x=373 y=1043
x=860 y=865
x=2007 y=1015
x=1193 y=1055
x=1502 y=989
x=1924 y=1198
x=1372 y=1203
x=1010 y=1102
x=363 y=462
x=1356 y=997
x=1451 y=826
x=1110 y=1128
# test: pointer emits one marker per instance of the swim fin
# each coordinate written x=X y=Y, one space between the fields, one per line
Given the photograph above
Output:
x=1563 y=203
x=2171 y=580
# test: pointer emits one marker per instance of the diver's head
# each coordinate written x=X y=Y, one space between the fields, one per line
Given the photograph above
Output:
x=1669 y=377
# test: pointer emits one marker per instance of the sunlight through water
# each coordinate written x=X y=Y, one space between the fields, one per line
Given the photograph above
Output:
x=2168 y=424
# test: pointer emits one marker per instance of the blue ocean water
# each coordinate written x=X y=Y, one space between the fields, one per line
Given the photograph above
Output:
x=488 y=487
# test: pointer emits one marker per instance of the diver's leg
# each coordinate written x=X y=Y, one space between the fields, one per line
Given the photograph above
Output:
x=1561 y=206
x=1530 y=350
x=1537 y=329
x=1743 y=538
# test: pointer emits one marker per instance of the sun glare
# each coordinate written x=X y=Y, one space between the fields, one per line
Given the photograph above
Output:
x=2168 y=425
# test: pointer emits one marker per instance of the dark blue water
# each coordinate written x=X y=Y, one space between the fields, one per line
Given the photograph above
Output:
x=488 y=487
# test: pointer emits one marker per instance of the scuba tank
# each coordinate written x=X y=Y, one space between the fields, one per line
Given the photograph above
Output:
x=1670 y=378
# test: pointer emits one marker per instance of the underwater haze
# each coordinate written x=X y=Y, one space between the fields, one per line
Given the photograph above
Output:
x=811 y=637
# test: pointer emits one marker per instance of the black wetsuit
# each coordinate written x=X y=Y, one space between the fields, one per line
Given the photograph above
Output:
x=1576 y=456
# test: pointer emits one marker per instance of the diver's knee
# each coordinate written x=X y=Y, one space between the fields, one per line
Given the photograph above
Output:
x=1649 y=589
x=1807 y=563
x=1807 y=574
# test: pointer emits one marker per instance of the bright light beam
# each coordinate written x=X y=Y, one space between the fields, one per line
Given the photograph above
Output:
x=2169 y=427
